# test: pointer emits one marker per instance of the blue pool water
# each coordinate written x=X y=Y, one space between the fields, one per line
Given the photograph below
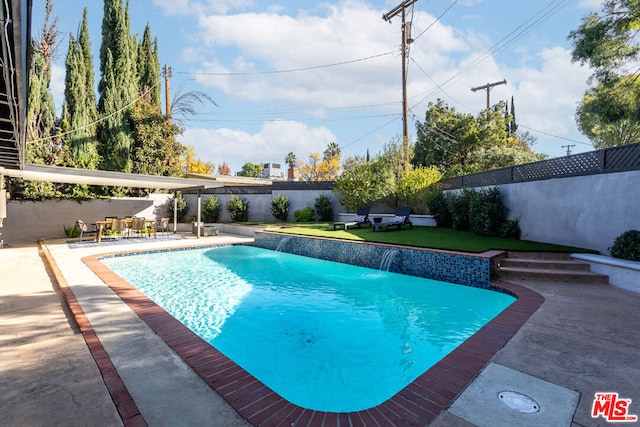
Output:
x=324 y=335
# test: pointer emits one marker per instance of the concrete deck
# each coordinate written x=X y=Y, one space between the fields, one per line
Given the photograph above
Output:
x=584 y=339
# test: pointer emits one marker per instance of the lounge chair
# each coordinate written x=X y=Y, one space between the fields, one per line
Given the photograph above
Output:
x=362 y=217
x=401 y=218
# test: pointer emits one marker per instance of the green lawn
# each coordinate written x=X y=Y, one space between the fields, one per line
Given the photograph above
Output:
x=424 y=237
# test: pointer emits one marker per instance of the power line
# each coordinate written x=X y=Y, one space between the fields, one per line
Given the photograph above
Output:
x=293 y=70
x=59 y=135
x=555 y=136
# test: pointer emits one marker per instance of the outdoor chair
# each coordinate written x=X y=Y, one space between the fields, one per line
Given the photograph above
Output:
x=119 y=227
x=362 y=217
x=84 y=228
x=138 y=225
x=400 y=218
x=163 y=226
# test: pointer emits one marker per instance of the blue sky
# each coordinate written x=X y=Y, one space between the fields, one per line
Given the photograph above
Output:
x=271 y=68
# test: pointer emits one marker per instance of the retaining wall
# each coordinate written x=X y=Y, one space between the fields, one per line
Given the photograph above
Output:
x=463 y=269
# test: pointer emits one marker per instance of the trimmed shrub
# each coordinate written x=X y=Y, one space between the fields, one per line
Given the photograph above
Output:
x=627 y=246
x=486 y=212
x=459 y=208
x=182 y=207
x=238 y=208
x=324 y=208
x=280 y=207
x=304 y=215
x=211 y=209
x=439 y=208
x=511 y=229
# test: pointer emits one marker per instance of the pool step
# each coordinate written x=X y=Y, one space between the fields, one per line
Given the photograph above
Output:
x=547 y=266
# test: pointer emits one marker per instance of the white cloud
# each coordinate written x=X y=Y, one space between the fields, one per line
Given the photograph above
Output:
x=269 y=41
x=270 y=144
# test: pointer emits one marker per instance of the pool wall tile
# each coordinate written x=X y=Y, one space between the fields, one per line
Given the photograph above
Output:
x=464 y=269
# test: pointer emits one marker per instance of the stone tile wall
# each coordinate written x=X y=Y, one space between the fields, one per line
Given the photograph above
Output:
x=463 y=269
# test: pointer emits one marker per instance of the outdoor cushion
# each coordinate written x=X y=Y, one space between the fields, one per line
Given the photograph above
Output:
x=360 y=218
x=398 y=218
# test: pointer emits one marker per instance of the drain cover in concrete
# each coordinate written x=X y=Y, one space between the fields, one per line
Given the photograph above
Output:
x=504 y=397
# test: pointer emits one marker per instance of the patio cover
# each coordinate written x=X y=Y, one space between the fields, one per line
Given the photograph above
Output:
x=32 y=172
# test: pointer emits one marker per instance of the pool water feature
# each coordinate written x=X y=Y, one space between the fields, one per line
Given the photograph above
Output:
x=324 y=335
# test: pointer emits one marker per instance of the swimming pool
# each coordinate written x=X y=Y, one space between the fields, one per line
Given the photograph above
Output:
x=324 y=335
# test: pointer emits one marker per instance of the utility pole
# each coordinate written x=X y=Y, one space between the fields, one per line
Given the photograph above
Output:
x=406 y=41
x=488 y=87
x=167 y=92
x=568 y=147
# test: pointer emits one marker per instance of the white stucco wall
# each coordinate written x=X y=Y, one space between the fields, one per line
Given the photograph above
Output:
x=29 y=221
x=585 y=211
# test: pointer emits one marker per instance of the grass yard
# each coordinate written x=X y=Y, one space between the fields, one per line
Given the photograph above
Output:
x=424 y=237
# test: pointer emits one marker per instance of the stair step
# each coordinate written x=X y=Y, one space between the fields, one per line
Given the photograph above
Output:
x=546 y=264
x=539 y=255
x=554 y=275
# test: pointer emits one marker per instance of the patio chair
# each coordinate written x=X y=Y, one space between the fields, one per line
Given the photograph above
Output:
x=119 y=226
x=138 y=225
x=163 y=226
x=84 y=228
x=362 y=217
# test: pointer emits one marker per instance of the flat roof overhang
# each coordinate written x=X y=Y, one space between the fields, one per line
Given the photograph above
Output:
x=33 y=172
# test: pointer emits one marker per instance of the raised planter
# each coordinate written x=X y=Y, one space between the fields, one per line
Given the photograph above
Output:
x=622 y=273
x=419 y=220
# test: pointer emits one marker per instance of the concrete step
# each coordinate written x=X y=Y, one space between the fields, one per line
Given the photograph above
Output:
x=539 y=255
x=545 y=264
x=552 y=275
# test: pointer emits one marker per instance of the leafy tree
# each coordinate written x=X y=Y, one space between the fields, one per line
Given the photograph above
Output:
x=224 y=169
x=608 y=41
x=608 y=113
x=118 y=87
x=250 y=170
x=155 y=150
x=357 y=186
x=461 y=143
x=412 y=188
x=190 y=164
x=326 y=169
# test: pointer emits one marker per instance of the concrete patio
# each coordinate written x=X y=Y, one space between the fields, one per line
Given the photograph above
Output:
x=584 y=339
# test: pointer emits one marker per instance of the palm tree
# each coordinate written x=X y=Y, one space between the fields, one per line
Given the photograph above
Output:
x=333 y=150
x=292 y=161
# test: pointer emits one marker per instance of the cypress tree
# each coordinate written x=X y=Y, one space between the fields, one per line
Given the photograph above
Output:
x=513 y=125
x=79 y=112
x=149 y=69
x=118 y=87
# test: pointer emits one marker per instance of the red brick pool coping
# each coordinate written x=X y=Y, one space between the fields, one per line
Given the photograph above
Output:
x=417 y=404
x=124 y=403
